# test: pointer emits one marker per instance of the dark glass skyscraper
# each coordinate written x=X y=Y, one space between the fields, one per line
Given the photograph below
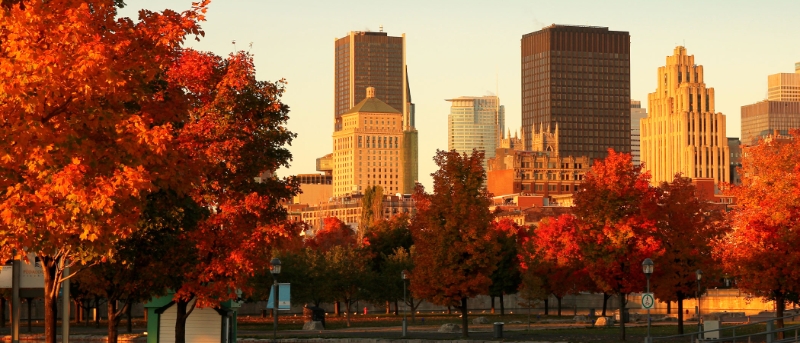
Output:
x=579 y=78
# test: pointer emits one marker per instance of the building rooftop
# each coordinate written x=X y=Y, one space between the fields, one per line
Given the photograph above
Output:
x=372 y=104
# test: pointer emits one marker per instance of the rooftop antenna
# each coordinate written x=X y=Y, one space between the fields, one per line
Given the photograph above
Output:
x=234 y=44
x=381 y=28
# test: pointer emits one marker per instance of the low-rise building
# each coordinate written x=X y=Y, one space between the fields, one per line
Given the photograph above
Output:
x=348 y=210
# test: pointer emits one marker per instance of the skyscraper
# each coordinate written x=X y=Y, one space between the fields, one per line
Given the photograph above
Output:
x=579 y=78
x=367 y=151
x=637 y=113
x=682 y=133
x=784 y=86
x=780 y=112
x=475 y=123
x=375 y=59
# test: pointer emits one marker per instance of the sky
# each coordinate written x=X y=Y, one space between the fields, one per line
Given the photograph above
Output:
x=457 y=48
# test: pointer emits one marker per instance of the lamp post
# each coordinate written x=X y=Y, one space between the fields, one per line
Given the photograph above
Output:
x=647 y=268
x=699 y=274
x=404 y=276
x=275 y=270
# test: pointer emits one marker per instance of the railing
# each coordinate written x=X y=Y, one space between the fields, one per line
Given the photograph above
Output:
x=769 y=333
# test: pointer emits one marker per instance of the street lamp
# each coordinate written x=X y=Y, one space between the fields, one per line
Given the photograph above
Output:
x=699 y=274
x=647 y=268
x=275 y=270
x=404 y=276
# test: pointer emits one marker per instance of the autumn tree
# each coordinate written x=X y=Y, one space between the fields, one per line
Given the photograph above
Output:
x=87 y=125
x=687 y=228
x=382 y=241
x=147 y=263
x=506 y=278
x=761 y=250
x=235 y=140
x=371 y=208
x=615 y=207
x=456 y=252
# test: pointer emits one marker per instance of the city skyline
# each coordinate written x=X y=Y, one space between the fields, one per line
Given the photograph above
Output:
x=738 y=46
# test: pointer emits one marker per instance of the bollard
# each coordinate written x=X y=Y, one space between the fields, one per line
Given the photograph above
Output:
x=769 y=331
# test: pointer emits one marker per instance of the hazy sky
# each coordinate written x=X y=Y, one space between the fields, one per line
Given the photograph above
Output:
x=457 y=48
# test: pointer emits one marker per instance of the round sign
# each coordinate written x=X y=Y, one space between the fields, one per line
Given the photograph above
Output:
x=648 y=300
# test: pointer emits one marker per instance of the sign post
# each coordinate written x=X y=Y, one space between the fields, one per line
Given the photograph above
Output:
x=648 y=301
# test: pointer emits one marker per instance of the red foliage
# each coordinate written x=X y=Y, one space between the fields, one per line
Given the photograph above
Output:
x=334 y=233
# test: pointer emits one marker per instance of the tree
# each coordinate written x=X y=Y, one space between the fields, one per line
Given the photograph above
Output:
x=381 y=242
x=371 y=208
x=761 y=250
x=148 y=263
x=456 y=252
x=86 y=121
x=347 y=268
x=615 y=207
x=687 y=228
x=506 y=278
x=235 y=139
x=552 y=253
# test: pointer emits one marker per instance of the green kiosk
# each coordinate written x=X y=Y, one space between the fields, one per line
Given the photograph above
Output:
x=204 y=325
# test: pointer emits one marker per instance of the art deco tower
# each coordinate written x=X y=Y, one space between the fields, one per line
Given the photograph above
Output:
x=682 y=133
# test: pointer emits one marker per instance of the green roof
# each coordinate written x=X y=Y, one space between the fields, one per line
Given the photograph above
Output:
x=372 y=105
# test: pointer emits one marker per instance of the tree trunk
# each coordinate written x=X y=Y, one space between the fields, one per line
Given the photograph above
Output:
x=336 y=309
x=547 y=305
x=97 y=313
x=502 y=306
x=449 y=310
x=464 y=319
x=183 y=312
x=622 y=315
x=780 y=306
x=396 y=308
x=347 y=310
x=2 y=312
x=78 y=312
x=128 y=311
x=680 y=313
x=52 y=277
x=388 y=307
x=558 y=302
x=112 y=321
x=606 y=296
x=492 y=297
x=669 y=307
x=414 y=309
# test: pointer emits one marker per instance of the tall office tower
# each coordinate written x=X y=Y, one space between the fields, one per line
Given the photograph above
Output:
x=375 y=59
x=682 y=133
x=637 y=114
x=578 y=77
x=766 y=117
x=475 y=123
x=779 y=113
x=367 y=150
x=784 y=86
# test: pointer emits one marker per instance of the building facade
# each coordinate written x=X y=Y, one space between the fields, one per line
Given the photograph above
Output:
x=637 y=114
x=784 y=86
x=578 y=77
x=764 y=118
x=367 y=151
x=377 y=60
x=735 y=149
x=348 y=210
x=475 y=123
x=314 y=188
x=682 y=132
x=542 y=171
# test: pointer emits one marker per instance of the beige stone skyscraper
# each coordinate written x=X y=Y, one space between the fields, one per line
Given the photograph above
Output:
x=368 y=150
x=682 y=133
